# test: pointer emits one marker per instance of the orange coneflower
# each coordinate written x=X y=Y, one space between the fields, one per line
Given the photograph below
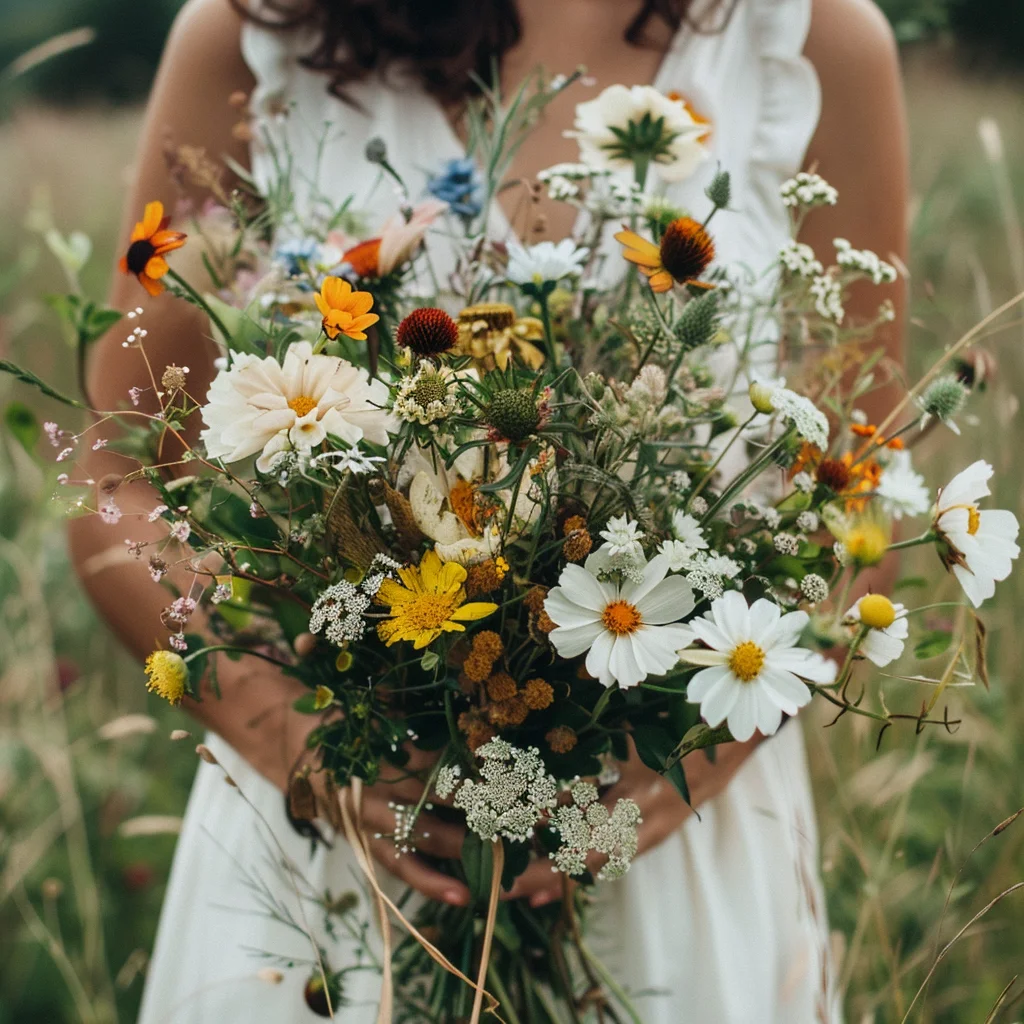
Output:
x=344 y=310
x=150 y=242
x=686 y=251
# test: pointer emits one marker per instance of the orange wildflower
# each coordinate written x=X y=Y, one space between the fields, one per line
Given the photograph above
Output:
x=149 y=243
x=685 y=252
x=344 y=311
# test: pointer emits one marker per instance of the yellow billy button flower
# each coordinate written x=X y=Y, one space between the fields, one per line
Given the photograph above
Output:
x=344 y=311
x=429 y=600
x=167 y=674
x=877 y=611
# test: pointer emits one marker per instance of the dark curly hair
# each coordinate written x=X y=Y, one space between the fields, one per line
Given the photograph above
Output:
x=448 y=43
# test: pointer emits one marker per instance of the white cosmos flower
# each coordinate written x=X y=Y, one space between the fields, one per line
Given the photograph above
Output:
x=882 y=646
x=545 y=261
x=981 y=545
x=598 y=122
x=754 y=668
x=901 y=490
x=631 y=630
x=261 y=405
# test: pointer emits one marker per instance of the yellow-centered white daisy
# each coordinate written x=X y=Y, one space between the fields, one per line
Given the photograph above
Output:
x=630 y=630
x=979 y=546
x=261 y=405
x=882 y=644
x=755 y=670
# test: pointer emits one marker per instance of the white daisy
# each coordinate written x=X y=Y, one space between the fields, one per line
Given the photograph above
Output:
x=623 y=536
x=901 y=490
x=631 y=630
x=602 y=124
x=980 y=546
x=881 y=644
x=754 y=665
x=687 y=529
x=545 y=261
x=261 y=405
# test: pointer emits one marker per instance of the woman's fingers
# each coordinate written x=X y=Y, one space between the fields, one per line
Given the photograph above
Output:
x=408 y=868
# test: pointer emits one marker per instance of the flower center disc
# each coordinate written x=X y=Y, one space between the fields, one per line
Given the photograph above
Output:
x=746 y=661
x=302 y=404
x=973 y=520
x=621 y=618
x=139 y=254
x=428 y=611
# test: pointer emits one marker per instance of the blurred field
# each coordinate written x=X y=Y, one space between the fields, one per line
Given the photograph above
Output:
x=79 y=896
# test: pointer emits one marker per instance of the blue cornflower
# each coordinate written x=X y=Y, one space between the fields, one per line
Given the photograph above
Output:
x=460 y=185
x=296 y=254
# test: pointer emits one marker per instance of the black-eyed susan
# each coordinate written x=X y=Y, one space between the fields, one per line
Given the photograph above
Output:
x=150 y=242
x=344 y=311
x=167 y=675
x=429 y=600
x=685 y=252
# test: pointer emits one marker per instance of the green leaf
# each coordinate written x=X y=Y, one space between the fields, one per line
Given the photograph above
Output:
x=21 y=421
x=911 y=582
x=478 y=865
x=517 y=860
x=655 y=744
x=96 y=322
x=28 y=377
x=932 y=644
x=306 y=704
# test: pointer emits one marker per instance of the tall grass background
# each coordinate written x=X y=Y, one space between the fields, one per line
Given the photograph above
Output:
x=91 y=784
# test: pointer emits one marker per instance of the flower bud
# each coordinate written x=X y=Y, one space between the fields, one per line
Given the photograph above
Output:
x=761 y=397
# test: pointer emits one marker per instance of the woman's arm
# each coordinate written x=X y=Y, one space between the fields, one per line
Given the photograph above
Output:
x=860 y=147
x=201 y=68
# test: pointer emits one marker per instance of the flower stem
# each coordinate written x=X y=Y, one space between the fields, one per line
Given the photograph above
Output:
x=199 y=301
x=928 y=537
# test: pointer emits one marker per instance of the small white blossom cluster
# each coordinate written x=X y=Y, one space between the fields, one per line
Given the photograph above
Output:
x=708 y=572
x=808 y=190
x=586 y=826
x=814 y=588
x=563 y=180
x=799 y=259
x=803 y=482
x=425 y=397
x=623 y=537
x=827 y=293
x=513 y=793
x=810 y=422
x=786 y=543
x=864 y=261
x=807 y=521
x=339 y=610
x=349 y=460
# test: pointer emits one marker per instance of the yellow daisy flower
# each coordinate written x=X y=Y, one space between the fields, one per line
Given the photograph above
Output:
x=429 y=600
x=344 y=311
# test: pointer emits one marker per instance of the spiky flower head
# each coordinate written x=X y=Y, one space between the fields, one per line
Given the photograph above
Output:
x=686 y=249
x=720 y=190
x=514 y=413
x=167 y=675
x=698 y=322
x=428 y=332
x=944 y=397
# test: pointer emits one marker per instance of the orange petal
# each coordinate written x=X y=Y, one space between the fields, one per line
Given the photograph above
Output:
x=168 y=241
x=661 y=281
x=704 y=286
x=156 y=267
x=321 y=304
x=354 y=334
x=335 y=291
x=153 y=287
x=360 y=323
x=359 y=303
x=122 y=264
x=643 y=259
x=151 y=218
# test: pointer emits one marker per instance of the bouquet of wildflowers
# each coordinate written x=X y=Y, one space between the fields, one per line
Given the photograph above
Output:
x=549 y=507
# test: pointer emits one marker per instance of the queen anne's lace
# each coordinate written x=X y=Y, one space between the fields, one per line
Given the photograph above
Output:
x=810 y=422
x=586 y=826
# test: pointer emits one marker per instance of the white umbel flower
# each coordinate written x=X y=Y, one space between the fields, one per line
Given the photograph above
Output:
x=810 y=422
x=980 y=546
x=882 y=646
x=631 y=630
x=261 y=405
x=617 y=108
x=545 y=261
x=755 y=668
x=901 y=490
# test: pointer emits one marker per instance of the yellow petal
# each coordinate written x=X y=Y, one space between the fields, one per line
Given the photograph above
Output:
x=426 y=637
x=660 y=281
x=151 y=217
x=321 y=304
x=393 y=593
x=359 y=303
x=474 y=610
x=430 y=568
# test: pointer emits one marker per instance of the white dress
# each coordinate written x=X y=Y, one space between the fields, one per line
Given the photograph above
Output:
x=723 y=923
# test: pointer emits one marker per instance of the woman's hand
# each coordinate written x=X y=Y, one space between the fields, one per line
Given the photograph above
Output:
x=662 y=808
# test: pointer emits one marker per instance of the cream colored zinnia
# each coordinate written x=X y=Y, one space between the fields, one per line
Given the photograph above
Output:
x=261 y=405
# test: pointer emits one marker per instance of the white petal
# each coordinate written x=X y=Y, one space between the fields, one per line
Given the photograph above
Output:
x=623 y=663
x=720 y=700
x=977 y=588
x=790 y=626
x=788 y=692
x=571 y=641
x=967 y=486
x=599 y=656
x=732 y=617
x=668 y=601
x=709 y=632
x=584 y=589
x=769 y=714
x=881 y=648
x=764 y=617
x=704 y=682
x=564 y=611
x=742 y=717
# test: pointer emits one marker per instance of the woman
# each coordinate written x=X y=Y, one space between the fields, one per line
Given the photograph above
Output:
x=785 y=83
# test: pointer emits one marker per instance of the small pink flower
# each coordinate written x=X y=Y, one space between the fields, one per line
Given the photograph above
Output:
x=157 y=568
x=109 y=512
x=400 y=238
x=181 y=531
x=62 y=478
x=156 y=513
x=134 y=394
x=100 y=442
x=61 y=456
x=177 y=641
x=53 y=432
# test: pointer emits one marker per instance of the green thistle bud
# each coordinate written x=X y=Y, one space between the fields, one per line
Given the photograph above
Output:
x=595 y=385
x=720 y=190
x=944 y=398
x=514 y=414
x=376 y=151
x=698 y=322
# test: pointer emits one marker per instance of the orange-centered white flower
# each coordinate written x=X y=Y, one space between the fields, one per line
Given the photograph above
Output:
x=980 y=546
x=755 y=668
x=631 y=630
